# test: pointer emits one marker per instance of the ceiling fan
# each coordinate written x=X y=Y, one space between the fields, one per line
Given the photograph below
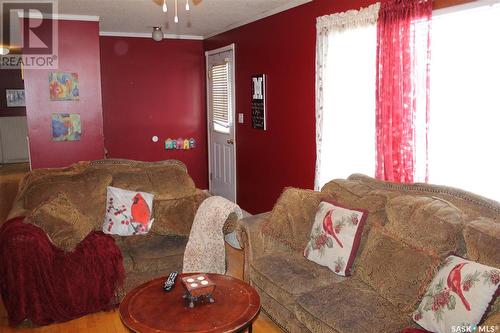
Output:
x=161 y=2
x=157 y=33
x=164 y=5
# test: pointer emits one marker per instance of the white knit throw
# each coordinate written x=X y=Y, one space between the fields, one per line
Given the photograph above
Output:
x=205 y=251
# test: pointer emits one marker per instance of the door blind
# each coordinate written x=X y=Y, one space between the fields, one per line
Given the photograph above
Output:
x=221 y=97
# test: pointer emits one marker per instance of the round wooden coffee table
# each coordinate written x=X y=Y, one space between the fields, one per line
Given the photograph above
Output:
x=148 y=308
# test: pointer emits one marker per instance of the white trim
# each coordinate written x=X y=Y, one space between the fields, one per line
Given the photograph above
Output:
x=220 y=50
x=289 y=5
x=67 y=17
x=147 y=35
x=465 y=6
x=230 y=47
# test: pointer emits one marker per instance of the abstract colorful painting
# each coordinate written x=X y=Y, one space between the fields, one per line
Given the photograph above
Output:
x=63 y=86
x=66 y=127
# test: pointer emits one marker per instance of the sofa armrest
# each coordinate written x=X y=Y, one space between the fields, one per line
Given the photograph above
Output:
x=248 y=232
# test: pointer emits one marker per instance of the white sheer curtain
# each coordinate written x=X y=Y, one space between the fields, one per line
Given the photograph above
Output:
x=346 y=46
x=464 y=122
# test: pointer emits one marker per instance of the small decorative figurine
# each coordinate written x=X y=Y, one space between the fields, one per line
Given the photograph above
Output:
x=180 y=143
x=169 y=144
x=197 y=287
x=192 y=143
x=186 y=144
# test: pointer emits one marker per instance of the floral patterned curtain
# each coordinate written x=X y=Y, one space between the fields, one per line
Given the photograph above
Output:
x=402 y=111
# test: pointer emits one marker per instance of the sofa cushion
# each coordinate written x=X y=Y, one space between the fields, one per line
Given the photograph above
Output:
x=127 y=212
x=354 y=194
x=412 y=217
x=176 y=216
x=128 y=264
x=63 y=223
x=481 y=239
x=459 y=294
x=171 y=183
x=398 y=272
x=87 y=192
x=152 y=252
x=292 y=217
x=348 y=307
x=136 y=180
x=335 y=237
x=288 y=275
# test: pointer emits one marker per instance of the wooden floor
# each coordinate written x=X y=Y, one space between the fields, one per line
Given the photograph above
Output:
x=109 y=322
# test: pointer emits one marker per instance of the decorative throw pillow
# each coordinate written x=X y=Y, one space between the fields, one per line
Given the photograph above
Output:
x=127 y=212
x=335 y=237
x=458 y=296
x=63 y=223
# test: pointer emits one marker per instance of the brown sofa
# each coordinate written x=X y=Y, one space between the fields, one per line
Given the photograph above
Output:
x=409 y=230
x=176 y=200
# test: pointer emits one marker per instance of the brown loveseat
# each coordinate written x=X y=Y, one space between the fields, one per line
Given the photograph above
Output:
x=410 y=229
x=176 y=200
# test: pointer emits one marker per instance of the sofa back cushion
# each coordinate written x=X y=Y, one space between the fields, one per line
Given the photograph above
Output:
x=63 y=223
x=171 y=182
x=426 y=222
x=132 y=180
x=354 y=194
x=482 y=239
x=398 y=272
x=86 y=191
x=292 y=217
x=174 y=217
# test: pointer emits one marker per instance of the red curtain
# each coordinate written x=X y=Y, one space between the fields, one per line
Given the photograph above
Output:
x=403 y=36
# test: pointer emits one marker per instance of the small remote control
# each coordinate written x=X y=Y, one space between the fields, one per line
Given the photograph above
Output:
x=169 y=283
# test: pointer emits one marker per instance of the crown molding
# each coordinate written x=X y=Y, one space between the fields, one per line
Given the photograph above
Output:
x=67 y=17
x=147 y=35
x=277 y=10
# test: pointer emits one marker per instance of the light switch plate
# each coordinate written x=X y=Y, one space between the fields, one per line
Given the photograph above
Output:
x=240 y=118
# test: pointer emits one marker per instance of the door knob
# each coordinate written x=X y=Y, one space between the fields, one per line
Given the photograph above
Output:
x=230 y=142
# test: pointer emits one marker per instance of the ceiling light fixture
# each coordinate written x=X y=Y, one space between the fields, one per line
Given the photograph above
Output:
x=4 y=51
x=176 y=18
x=176 y=7
x=157 y=34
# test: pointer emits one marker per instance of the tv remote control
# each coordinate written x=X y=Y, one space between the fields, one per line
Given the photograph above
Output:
x=169 y=283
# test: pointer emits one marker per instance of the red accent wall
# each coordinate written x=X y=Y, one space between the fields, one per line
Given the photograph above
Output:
x=78 y=52
x=10 y=79
x=283 y=47
x=154 y=88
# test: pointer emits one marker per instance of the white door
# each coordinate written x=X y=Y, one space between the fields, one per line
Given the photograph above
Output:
x=221 y=129
x=13 y=142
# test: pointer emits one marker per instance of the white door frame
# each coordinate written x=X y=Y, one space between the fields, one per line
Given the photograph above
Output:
x=230 y=47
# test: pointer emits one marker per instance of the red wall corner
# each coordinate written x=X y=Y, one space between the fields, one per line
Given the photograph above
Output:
x=78 y=52
x=155 y=88
x=283 y=47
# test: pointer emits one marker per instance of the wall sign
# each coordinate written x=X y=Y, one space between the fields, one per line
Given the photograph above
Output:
x=259 y=101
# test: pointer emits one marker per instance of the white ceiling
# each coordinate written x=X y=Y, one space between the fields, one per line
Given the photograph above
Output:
x=208 y=18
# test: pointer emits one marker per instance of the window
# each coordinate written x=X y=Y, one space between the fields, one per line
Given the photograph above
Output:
x=464 y=132
x=221 y=97
x=346 y=102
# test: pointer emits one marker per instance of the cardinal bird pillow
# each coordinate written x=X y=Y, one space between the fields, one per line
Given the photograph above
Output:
x=127 y=212
x=335 y=237
x=458 y=296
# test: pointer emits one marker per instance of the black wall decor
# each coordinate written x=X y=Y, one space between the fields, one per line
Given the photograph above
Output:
x=259 y=101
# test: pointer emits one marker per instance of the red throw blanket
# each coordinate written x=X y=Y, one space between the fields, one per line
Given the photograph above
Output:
x=45 y=284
